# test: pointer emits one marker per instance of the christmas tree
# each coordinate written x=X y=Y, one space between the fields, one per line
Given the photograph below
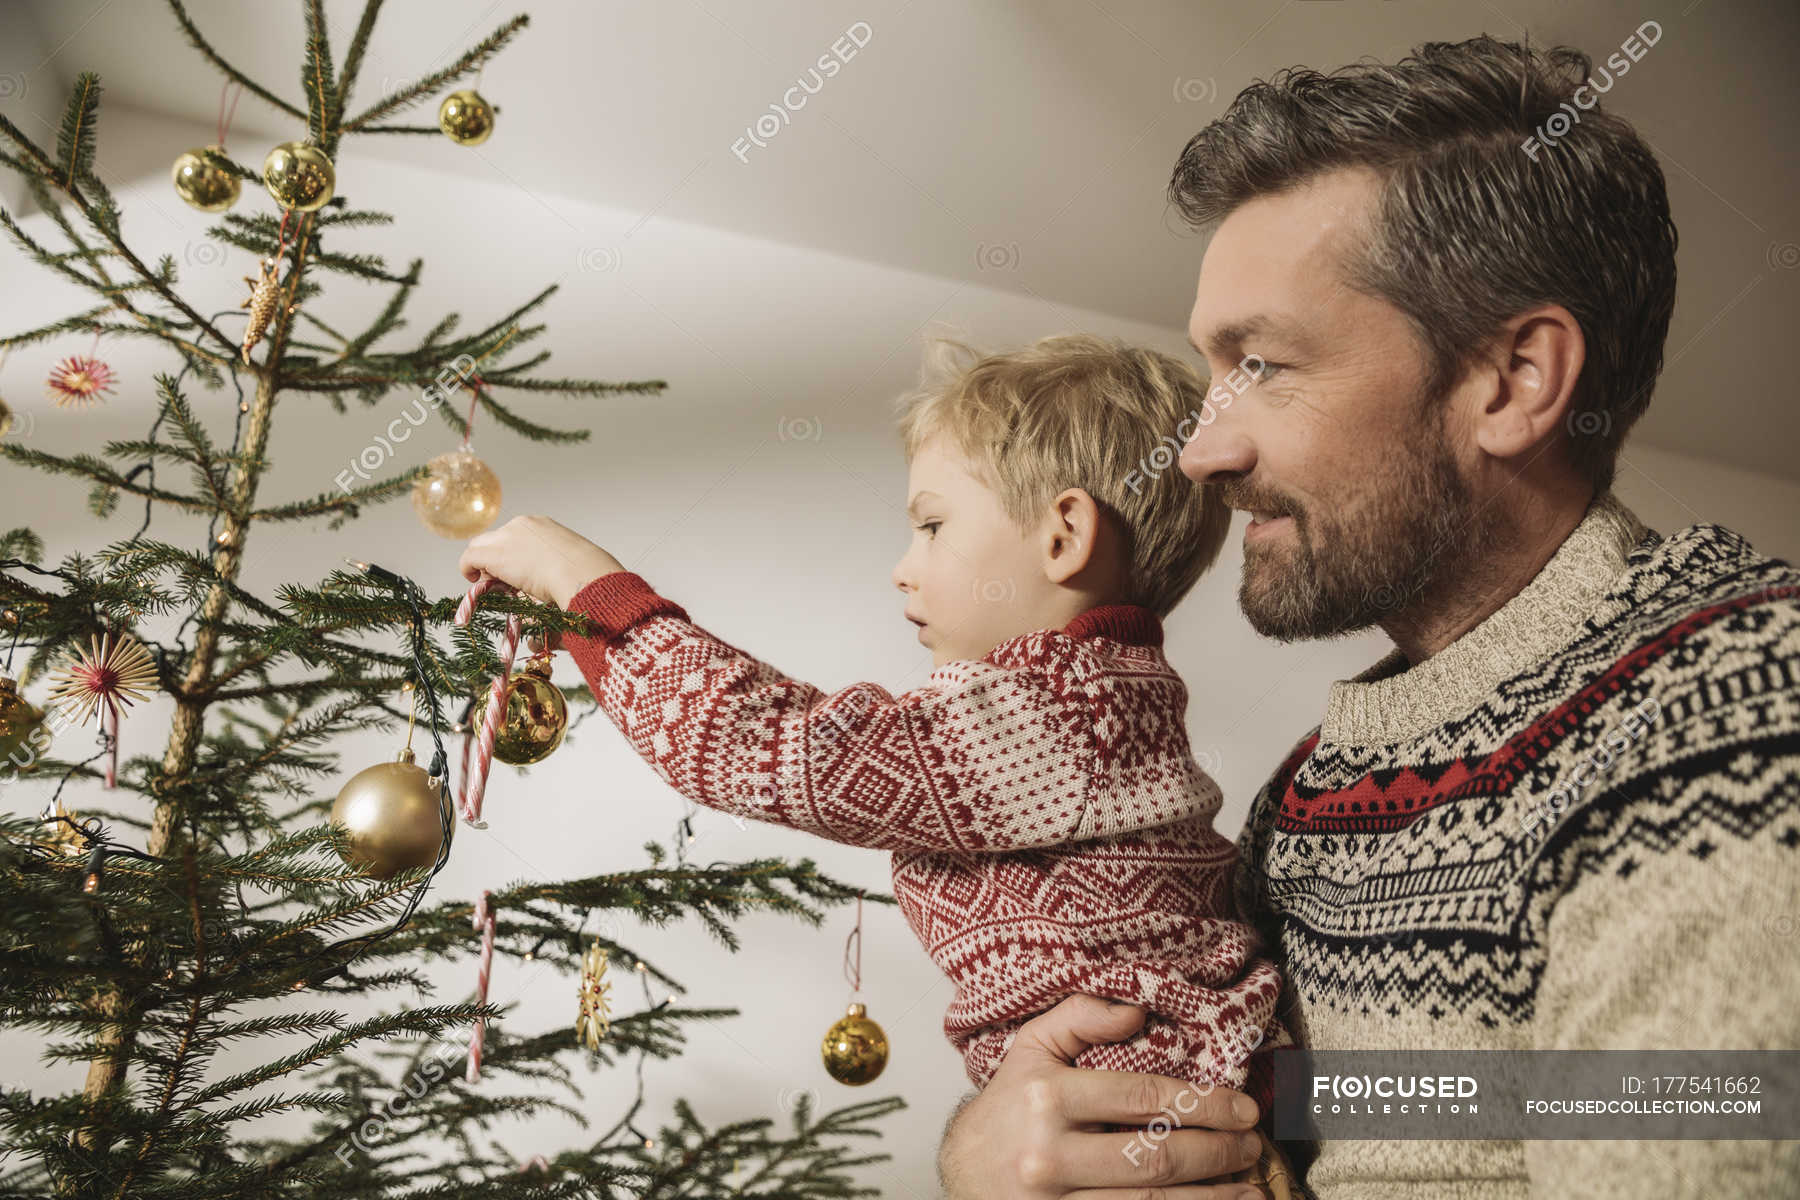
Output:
x=237 y=911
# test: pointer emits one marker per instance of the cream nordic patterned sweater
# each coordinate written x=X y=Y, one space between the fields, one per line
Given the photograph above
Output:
x=1431 y=875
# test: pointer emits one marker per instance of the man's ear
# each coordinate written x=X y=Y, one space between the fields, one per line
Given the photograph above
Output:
x=1070 y=534
x=1526 y=392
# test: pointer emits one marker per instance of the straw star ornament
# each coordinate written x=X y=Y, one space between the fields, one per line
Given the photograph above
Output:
x=595 y=1018
x=115 y=671
x=78 y=380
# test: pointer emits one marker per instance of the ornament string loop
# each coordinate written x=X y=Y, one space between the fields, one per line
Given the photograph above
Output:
x=224 y=115
x=474 y=783
x=474 y=384
x=853 y=952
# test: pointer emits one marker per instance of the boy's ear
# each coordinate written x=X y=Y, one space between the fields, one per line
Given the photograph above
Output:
x=1069 y=534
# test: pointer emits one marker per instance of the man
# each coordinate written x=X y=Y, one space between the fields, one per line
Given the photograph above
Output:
x=1564 y=812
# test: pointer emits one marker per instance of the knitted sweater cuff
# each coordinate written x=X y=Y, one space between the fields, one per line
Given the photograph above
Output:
x=613 y=604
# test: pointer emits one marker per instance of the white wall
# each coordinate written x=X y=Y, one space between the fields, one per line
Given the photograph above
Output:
x=780 y=544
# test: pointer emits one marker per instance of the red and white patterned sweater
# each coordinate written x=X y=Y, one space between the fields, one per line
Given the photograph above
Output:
x=1052 y=832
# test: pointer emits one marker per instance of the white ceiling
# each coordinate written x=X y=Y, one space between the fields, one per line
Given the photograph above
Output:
x=1020 y=145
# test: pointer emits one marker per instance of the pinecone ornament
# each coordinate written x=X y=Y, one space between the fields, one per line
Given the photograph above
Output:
x=265 y=299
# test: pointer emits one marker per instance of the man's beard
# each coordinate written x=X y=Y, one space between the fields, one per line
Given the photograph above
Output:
x=1338 y=572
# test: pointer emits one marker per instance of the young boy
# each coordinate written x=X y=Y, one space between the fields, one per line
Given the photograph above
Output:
x=1051 y=829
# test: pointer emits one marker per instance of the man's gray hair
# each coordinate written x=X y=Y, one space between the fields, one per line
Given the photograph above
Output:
x=1504 y=186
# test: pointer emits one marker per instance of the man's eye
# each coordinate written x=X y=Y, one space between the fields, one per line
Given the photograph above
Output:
x=1266 y=370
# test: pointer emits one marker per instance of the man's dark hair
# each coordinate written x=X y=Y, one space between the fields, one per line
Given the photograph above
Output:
x=1488 y=206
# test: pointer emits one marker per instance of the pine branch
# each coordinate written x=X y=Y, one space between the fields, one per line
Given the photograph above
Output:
x=47 y=258
x=467 y=64
x=75 y=140
x=389 y=319
x=344 y=504
x=45 y=333
x=359 y=42
x=513 y=421
x=250 y=85
x=317 y=78
x=361 y=266
x=103 y=219
x=86 y=466
x=578 y=387
x=349 y=217
x=432 y=1021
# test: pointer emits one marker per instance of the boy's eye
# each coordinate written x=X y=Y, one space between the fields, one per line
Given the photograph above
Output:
x=930 y=527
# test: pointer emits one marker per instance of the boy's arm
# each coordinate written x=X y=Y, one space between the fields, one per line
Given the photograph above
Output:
x=981 y=758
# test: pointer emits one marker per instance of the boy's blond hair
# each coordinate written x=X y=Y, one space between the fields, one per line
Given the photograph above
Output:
x=1077 y=410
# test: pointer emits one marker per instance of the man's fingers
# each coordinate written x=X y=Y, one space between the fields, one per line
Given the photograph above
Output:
x=1074 y=1025
x=1126 y=1097
x=1171 y=1159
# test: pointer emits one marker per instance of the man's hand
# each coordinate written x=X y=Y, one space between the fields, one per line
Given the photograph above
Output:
x=1039 y=1127
x=538 y=557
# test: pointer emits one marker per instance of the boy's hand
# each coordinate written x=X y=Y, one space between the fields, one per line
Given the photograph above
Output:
x=538 y=557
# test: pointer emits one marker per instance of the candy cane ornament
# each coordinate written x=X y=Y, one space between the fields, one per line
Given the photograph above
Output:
x=484 y=921
x=475 y=782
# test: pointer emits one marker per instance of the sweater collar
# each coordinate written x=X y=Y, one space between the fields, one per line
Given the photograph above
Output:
x=1391 y=701
x=1129 y=623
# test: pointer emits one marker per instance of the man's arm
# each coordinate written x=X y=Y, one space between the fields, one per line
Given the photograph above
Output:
x=1665 y=960
x=981 y=758
x=1673 y=896
x=1038 y=1129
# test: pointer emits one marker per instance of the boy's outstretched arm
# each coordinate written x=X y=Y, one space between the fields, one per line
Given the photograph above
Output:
x=982 y=757
x=1048 y=748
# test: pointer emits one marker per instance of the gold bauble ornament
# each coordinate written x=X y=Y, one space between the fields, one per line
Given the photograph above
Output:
x=299 y=176
x=466 y=118
x=204 y=184
x=459 y=498
x=535 y=719
x=20 y=721
x=396 y=815
x=855 y=1049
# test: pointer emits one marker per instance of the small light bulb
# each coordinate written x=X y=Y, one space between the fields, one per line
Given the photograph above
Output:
x=529 y=956
x=649 y=1143
x=243 y=406
x=91 y=883
x=641 y=965
x=224 y=537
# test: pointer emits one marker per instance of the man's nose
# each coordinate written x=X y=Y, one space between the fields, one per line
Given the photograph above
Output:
x=1215 y=452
